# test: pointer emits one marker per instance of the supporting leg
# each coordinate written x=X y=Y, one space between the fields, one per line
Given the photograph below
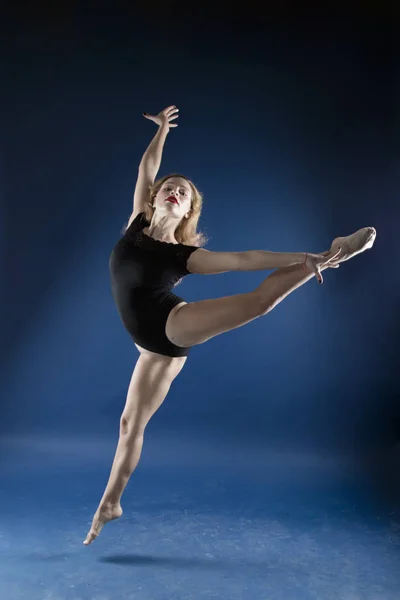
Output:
x=149 y=386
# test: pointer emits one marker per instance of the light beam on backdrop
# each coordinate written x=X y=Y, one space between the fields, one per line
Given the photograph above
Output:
x=70 y=347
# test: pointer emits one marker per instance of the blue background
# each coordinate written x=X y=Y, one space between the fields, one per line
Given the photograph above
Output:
x=288 y=128
x=290 y=140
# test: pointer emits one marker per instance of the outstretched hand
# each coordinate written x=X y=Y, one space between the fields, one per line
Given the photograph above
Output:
x=314 y=262
x=165 y=117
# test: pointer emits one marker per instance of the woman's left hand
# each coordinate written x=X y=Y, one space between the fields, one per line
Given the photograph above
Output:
x=314 y=262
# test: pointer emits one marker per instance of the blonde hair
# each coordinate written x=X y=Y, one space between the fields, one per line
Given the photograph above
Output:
x=186 y=232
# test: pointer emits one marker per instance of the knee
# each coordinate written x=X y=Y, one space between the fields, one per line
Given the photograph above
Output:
x=123 y=425
x=131 y=428
x=263 y=303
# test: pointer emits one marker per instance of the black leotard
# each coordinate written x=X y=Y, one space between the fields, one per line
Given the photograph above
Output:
x=143 y=271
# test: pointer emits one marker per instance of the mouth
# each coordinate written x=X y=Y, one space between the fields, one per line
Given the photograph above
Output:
x=172 y=199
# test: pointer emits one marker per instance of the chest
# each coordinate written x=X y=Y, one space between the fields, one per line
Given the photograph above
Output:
x=148 y=264
x=145 y=232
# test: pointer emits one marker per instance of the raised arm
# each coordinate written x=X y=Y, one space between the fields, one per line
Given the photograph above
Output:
x=151 y=160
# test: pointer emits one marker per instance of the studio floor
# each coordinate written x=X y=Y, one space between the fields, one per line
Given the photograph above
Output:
x=288 y=530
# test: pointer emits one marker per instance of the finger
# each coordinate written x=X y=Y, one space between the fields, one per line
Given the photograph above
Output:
x=171 y=110
x=171 y=117
x=317 y=274
x=173 y=124
x=334 y=257
x=330 y=257
x=335 y=254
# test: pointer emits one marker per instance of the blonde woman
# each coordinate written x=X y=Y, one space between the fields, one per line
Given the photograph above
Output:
x=161 y=245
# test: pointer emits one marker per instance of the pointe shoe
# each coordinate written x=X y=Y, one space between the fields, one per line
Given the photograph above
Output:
x=354 y=244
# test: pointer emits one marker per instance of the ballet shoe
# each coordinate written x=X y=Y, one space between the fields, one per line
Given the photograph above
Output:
x=353 y=244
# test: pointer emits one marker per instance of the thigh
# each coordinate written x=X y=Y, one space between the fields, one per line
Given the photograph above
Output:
x=196 y=322
x=150 y=382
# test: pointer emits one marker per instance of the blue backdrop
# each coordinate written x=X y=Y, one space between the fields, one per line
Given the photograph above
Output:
x=288 y=132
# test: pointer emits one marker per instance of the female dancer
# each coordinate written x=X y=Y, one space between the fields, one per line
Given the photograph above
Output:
x=153 y=255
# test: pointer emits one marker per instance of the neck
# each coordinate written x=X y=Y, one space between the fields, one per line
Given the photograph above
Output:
x=163 y=228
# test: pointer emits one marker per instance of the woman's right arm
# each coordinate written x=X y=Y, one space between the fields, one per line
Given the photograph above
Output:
x=151 y=160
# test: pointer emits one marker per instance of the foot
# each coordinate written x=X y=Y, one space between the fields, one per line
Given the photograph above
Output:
x=103 y=515
x=361 y=240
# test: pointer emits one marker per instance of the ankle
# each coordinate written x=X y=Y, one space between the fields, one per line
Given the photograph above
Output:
x=108 y=503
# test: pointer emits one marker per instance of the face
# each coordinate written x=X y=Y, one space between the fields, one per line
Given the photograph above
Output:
x=174 y=197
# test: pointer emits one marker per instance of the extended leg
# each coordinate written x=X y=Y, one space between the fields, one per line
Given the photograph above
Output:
x=197 y=322
x=283 y=282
